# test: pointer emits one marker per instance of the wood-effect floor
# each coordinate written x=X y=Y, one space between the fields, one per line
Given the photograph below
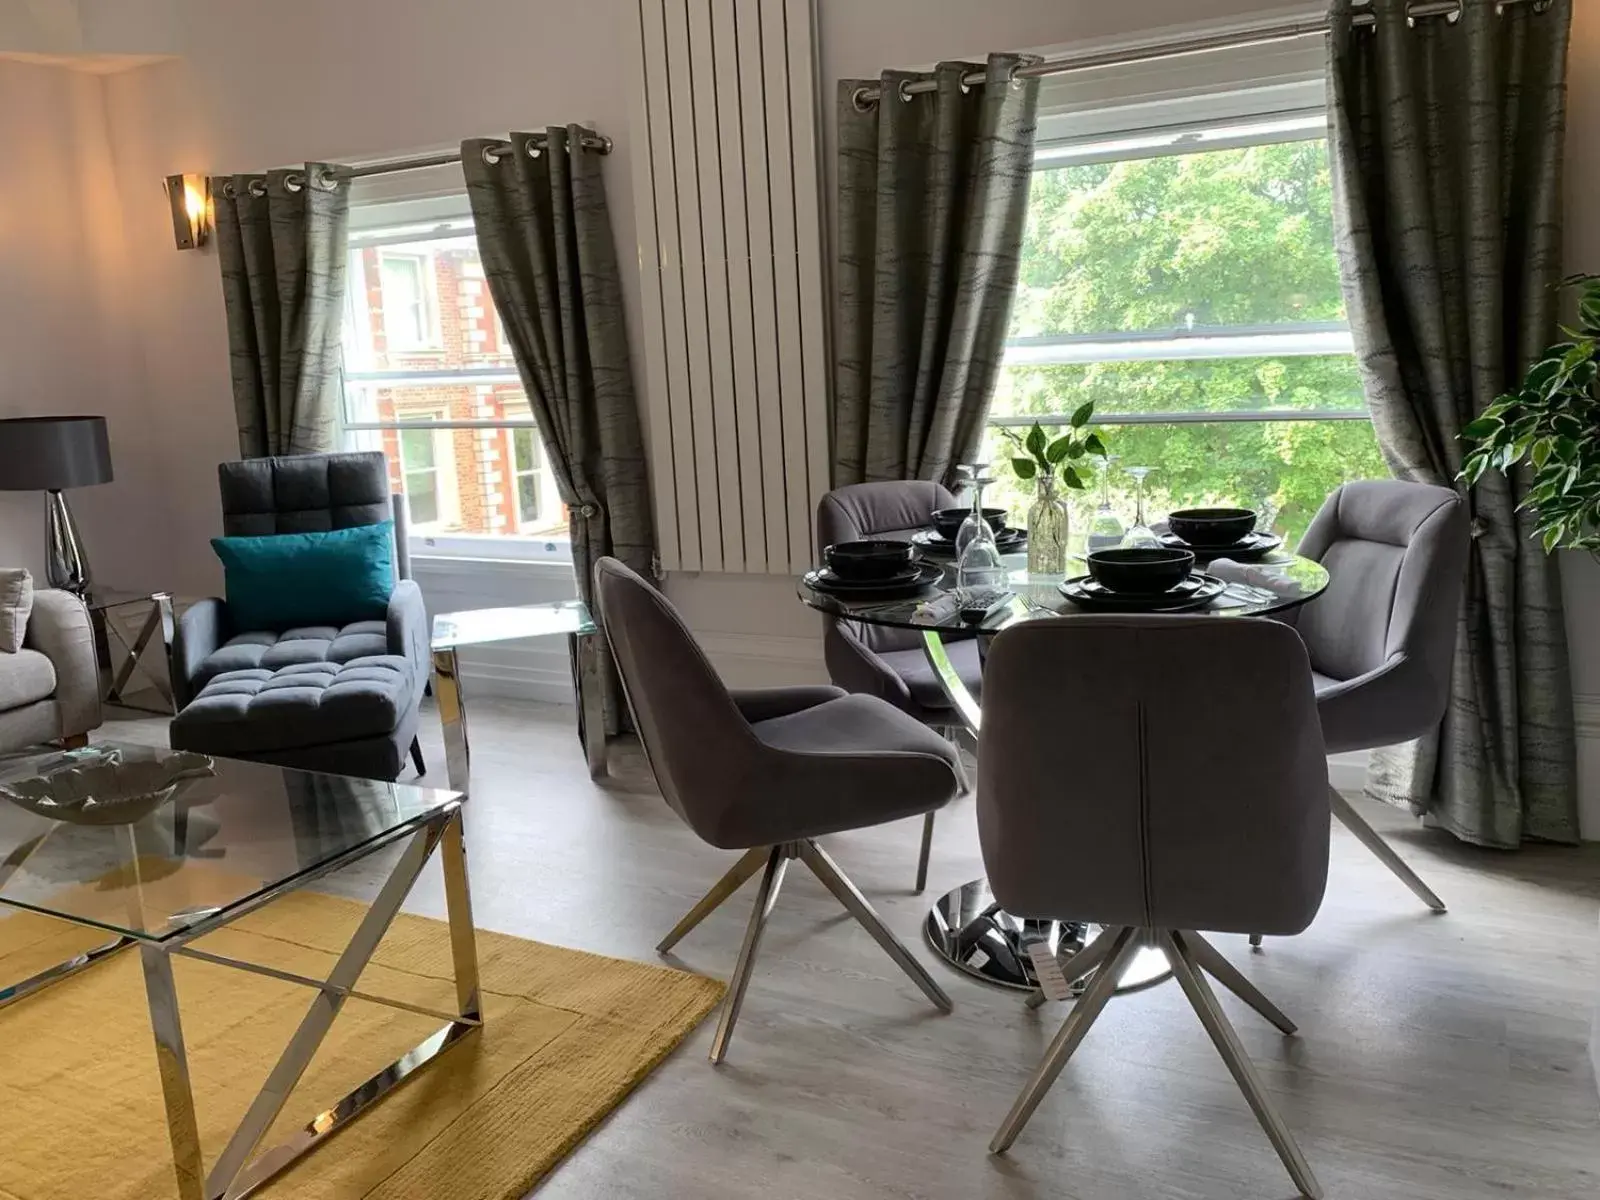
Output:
x=1439 y=1057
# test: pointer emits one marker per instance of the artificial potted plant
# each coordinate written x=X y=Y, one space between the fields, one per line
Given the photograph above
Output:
x=1048 y=462
x=1553 y=422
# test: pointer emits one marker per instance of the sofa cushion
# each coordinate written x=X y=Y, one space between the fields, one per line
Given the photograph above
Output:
x=25 y=677
x=314 y=702
x=270 y=651
x=16 y=602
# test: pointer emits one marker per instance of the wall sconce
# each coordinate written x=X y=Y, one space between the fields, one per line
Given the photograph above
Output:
x=189 y=198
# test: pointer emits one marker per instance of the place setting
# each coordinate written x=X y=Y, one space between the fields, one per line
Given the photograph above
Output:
x=941 y=539
x=873 y=569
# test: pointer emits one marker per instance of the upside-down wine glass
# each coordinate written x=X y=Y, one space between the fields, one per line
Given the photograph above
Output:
x=1105 y=530
x=1141 y=534
x=978 y=561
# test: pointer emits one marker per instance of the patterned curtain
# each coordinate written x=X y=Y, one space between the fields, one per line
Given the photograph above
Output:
x=281 y=241
x=933 y=197
x=544 y=234
x=1447 y=142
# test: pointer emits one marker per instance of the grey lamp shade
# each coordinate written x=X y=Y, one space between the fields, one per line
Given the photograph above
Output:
x=45 y=453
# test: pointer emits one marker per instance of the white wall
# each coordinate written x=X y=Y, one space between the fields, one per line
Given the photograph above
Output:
x=63 y=345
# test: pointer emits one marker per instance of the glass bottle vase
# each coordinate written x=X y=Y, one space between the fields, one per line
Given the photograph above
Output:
x=1049 y=522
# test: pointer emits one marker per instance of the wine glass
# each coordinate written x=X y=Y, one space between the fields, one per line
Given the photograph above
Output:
x=1141 y=534
x=974 y=526
x=1105 y=529
x=978 y=561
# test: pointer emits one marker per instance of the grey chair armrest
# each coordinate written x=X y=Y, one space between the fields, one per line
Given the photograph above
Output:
x=59 y=628
x=856 y=667
x=198 y=634
x=408 y=630
x=763 y=704
x=1382 y=707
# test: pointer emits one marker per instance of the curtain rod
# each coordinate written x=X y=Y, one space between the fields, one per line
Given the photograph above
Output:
x=597 y=142
x=864 y=97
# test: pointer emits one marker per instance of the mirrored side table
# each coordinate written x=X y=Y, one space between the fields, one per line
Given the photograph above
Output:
x=146 y=662
x=482 y=626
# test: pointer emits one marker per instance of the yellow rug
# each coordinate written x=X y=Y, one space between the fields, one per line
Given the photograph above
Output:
x=566 y=1036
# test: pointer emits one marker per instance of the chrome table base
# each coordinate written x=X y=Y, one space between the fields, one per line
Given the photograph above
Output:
x=975 y=935
x=239 y=1170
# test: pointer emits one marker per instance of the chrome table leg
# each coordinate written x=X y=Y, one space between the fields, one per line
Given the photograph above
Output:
x=172 y=1062
x=452 y=718
x=458 y=905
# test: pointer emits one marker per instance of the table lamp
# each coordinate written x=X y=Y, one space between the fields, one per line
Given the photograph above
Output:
x=47 y=454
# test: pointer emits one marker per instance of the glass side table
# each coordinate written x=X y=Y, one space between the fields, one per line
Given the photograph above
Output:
x=107 y=608
x=482 y=626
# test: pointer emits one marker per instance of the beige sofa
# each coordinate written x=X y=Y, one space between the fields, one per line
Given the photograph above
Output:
x=50 y=689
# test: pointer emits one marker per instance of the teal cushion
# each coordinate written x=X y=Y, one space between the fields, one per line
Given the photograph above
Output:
x=286 y=579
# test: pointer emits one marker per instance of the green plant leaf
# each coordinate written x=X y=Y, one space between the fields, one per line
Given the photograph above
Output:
x=1070 y=477
x=1035 y=442
x=1094 y=445
x=1482 y=427
x=1552 y=536
x=1081 y=417
x=1025 y=468
x=1059 y=449
x=1541 y=451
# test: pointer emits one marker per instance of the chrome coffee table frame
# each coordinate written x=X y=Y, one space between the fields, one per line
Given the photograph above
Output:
x=239 y=1171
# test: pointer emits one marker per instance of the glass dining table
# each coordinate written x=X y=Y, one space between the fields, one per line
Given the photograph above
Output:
x=966 y=926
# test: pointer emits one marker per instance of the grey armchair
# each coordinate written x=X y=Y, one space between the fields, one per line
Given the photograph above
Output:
x=1165 y=829
x=889 y=663
x=50 y=689
x=1382 y=637
x=767 y=772
x=341 y=700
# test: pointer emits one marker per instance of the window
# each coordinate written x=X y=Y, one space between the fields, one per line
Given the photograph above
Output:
x=410 y=304
x=430 y=381
x=1184 y=279
x=419 y=464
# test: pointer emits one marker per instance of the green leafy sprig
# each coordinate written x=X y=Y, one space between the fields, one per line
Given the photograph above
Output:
x=1038 y=455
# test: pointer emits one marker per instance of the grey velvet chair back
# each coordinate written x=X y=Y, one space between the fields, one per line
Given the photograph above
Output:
x=895 y=509
x=1155 y=771
x=311 y=493
x=696 y=739
x=1396 y=554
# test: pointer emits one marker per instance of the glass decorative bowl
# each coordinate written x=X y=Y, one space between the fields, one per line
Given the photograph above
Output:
x=107 y=792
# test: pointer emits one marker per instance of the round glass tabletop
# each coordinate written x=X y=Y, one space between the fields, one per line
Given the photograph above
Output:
x=1274 y=584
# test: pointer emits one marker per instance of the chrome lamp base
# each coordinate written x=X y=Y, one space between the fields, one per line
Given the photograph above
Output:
x=66 y=565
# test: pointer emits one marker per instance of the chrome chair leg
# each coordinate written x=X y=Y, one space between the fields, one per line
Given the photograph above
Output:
x=925 y=853
x=1373 y=841
x=825 y=869
x=1080 y=964
x=766 y=895
x=737 y=876
x=1204 y=1001
x=1066 y=1040
x=1225 y=973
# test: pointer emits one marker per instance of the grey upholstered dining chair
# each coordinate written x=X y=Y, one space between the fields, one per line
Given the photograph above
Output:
x=1383 y=635
x=878 y=661
x=767 y=771
x=1157 y=827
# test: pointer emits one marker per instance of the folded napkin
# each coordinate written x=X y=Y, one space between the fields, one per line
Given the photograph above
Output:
x=1250 y=575
x=943 y=607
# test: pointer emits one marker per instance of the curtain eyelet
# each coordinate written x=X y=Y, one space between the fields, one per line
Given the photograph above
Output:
x=229 y=192
x=862 y=101
x=491 y=156
x=293 y=182
x=258 y=188
x=535 y=151
x=905 y=96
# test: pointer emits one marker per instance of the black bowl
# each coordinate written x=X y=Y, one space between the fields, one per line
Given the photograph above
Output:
x=869 y=560
x=948 y=520
x=1140 y=570
x=1212 y=526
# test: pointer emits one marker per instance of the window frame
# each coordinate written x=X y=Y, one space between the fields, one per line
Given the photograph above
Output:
x=377 y=224
x=430 y=328
x=1081 y=132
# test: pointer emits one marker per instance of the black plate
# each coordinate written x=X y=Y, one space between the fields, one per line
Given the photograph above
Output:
x=824 y=581
x=1197 y=591
x=932 y=541
x=1257 y=545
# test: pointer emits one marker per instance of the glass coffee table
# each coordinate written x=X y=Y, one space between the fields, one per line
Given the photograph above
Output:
x=147 y=876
